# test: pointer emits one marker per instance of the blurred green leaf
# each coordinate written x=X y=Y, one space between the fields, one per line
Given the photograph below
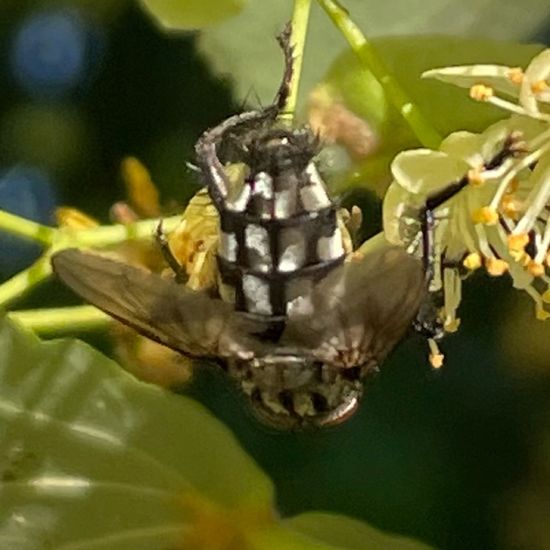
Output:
x=90 y=453
x=349 y=534
x=177 y=15
x=92 y=458
x=51 y=136
x=241 y=47
x=448 y=108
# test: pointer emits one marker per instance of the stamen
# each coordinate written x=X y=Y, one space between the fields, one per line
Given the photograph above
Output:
x=452 y=290
x=517 y=243
x=436 y=357
x=472 y=261
x=538 y=197
x=513 y=108
x=496 y=267
x=508 y=183
x=475 y=176
x=451 y=324
x=536 y=269
x=544 y=245
x=539 y=86
x=515 y=75
x=480 y=92
x=510 y=206
x=485 y=215
x=540 y=313
x=483 y=243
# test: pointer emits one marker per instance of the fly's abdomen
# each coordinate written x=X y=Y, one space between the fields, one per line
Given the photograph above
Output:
x=279 y=235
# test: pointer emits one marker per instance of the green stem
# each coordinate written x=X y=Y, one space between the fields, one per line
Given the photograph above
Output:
x=369 y=59
x=299 y=24
x=25 y=280
x=26 y=228
x=62 y=319
x=101 y=236
x=109 y=235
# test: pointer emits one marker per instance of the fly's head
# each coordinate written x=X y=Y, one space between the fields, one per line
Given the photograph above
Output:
x=290 y=392
x=280 y=152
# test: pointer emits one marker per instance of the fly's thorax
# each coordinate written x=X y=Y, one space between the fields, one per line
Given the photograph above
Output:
x=279 y=232
x=295 y=392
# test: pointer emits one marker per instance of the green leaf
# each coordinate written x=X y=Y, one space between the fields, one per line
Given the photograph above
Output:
x=449 y=109
x=92 y=458
x=178 y=15
x=349 y=534
x=242 y=48
x=91 y=455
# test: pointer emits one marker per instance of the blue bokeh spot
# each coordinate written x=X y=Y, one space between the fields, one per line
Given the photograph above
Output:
x=28 y=192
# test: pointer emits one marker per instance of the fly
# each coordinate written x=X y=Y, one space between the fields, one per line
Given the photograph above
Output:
x=297 y=326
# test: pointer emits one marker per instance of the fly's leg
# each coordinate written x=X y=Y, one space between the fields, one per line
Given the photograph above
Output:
x=428 y=321
x=206 y=148
x=180 y=275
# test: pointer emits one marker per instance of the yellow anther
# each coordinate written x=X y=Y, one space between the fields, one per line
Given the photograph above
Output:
x=548 y=260
x=517 y=243
x=521 y=257
x=510 y=206
x=451 y=325
x=539 y=86
x=540 y=313
x=475 y=177
x=436 y=357
x=515 y=75
x=535 y=268
x=485 y=215
x=472 y=261
x=73 y=218
x=496 y=267
x=480 y=92
x=546 y=296
x=437 y=360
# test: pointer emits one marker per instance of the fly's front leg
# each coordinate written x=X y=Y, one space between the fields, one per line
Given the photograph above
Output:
x=180 y=275
x=428 y=320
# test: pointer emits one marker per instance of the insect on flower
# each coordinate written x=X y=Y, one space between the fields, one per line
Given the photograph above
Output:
x=294 y=320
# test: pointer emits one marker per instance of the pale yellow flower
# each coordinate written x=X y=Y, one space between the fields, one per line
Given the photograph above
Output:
x=494 y=211
x=525 y=92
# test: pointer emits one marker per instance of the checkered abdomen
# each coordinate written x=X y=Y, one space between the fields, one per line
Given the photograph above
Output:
x=279 y=235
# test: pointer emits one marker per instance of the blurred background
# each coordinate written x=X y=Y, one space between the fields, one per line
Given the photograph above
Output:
x=458 y=458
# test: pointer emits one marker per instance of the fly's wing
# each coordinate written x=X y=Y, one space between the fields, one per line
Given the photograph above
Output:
x=360 y=311
x=187 y=321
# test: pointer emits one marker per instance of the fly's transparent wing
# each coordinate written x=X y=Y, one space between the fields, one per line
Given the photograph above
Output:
x=360 y=311
x=187 y=321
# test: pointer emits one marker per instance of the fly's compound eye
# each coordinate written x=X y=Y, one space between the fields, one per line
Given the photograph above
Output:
x=299 y=393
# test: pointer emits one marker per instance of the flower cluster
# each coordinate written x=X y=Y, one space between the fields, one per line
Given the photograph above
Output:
x=497 y=188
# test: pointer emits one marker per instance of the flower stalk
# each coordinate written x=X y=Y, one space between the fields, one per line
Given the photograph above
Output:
x=370 y=60
x=299 y=24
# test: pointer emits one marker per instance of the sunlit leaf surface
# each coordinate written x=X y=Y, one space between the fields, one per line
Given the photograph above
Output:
x=177 y=15
x=240 y=48
x=89 y=454
x=348 y=533
x=91 y=458
x=448 y=108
